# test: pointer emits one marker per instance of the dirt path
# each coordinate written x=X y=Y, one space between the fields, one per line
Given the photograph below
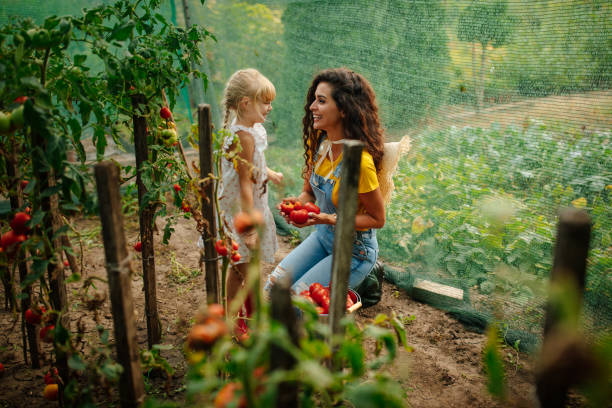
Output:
x=443 y=370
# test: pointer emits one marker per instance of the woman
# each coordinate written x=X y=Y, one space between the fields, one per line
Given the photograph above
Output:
x=340 y=105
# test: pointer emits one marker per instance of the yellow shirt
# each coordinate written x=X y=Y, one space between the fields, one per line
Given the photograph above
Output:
x=368 y=180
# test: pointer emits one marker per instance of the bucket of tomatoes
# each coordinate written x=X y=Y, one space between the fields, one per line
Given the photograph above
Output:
x=320 y=296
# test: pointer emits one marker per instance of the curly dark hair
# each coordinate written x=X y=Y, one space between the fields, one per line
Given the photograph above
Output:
x=355 y=98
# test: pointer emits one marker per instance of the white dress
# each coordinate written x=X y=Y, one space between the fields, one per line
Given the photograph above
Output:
x=229 y=194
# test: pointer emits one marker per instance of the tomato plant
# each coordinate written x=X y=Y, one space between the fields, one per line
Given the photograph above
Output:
x=74 y=78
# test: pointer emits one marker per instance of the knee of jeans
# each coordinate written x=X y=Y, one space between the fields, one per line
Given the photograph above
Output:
x=276 y=274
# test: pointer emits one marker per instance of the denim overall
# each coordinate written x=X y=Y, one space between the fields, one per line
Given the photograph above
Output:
x=311 y=261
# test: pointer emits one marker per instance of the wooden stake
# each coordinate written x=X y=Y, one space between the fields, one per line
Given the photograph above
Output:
x=208 y=204
x=565 y=359
x=345 y=232
x=282 y=310
x=118 y=266
x=147 y=213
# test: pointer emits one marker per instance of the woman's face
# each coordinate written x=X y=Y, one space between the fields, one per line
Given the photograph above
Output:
x=325 y=113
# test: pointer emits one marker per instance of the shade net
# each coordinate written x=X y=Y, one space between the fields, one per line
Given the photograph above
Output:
x=509 y=108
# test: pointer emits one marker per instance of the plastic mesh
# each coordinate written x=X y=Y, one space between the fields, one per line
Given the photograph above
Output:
x=509 y=107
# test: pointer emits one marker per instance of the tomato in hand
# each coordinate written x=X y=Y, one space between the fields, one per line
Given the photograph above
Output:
x=299 y=216
x=312 y=208
x=286 y=207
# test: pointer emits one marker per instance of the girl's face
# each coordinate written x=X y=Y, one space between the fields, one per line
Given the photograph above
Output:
x=254 y=111
x=325 y=113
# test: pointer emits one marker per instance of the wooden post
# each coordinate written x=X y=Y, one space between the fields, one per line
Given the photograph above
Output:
x=345 y=232
x=569 y=264
x=147 y=211
x=26 y=299
x=118 y=266
x=565 y=358
x=282 y=310
x=208 y=205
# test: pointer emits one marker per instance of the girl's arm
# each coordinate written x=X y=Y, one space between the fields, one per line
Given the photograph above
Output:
x=274 y=176
x=245 y=170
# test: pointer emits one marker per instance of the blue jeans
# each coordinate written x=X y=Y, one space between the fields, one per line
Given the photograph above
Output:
x=311 y=261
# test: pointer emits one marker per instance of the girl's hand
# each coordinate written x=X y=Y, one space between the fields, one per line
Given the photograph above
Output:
x=275 y=176
x=250 y=239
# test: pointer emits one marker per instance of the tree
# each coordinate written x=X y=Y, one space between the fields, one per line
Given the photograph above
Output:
x=487 y=23
x=399 y=46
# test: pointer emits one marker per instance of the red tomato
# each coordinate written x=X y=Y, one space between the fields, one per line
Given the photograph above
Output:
x=138 y=246
x=305 y=293
x=24 y=184
x=221 y=248
x=286 y=207
x=216 y=310
x=299 y=216
x=21 y=99
x=349 y=301
x=297 y=205
x=235 y=257
x=312 y=208
x=234 y=245
x=177 y=188
x=165 y=113
x=46 y=333
x=50 y=377
x=33 y=317
x=66 y=263
x=320 y=310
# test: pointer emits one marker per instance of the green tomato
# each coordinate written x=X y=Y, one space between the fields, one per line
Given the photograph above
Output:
x=17 y=118
x=5 y=123
x=169 y=137
x=41 y=39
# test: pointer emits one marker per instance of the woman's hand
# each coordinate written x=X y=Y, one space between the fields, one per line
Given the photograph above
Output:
x=314 y=219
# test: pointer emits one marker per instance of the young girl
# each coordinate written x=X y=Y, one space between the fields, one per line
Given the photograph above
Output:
x=247 y=101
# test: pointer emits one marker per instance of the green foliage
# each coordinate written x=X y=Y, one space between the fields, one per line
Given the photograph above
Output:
x=245 y=366
x=472 y=200
x=494 y=363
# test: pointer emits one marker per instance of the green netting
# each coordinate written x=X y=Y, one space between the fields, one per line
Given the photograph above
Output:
x=509 y=107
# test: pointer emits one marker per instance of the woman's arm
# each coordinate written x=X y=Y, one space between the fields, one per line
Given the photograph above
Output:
x=374 y=216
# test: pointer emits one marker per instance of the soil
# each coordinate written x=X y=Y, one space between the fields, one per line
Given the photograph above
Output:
x=444 y=369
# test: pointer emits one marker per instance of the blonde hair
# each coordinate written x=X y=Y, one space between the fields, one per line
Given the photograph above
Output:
x=245 y=82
